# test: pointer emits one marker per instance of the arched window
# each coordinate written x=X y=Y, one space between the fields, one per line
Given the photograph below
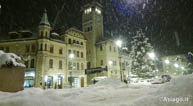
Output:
x=69 y=41
x=45 y=47
x=46 y=34
x=41 y=47
x=74 y=41
x=42 y=34
x=32 y=63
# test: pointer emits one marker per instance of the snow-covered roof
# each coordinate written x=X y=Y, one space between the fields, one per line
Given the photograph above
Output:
x=9 y=59
x=54 y=33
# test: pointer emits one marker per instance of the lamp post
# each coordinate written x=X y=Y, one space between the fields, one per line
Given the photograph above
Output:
x=119 y=45
x=71 y=56
x=110 y=65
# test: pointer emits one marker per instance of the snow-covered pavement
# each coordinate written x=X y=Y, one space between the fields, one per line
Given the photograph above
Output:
x=110 y=92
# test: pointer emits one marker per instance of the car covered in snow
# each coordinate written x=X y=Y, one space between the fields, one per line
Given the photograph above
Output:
x=166 y=78
x=157 y=80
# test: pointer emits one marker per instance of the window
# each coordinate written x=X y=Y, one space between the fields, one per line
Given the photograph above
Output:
x=98 y=10
x=46 y=34
x=60 y=64
x=82 y=55
x=74 y=41
x=78 y=67
x=69 y=41
x=81 y=43
x=69 y=51
x=69 y=65
x=51 y=63
x=102 y=62
x=77 y=42
x=74 y=52
x=110 y=48
x=89 y=65
x=42 y=34
x=60 y=51
x=88 y=10
x=82 y=66
x=101 y=48
x=7 y=49
x=77 y=53
x=41 y=47
x=33 y=48
x=27 y=48
x=74 y=66
x=32 y=63
x=26 y=63
x=114 y=63
x=51 y=49
x=45 y=47
x=114 y=49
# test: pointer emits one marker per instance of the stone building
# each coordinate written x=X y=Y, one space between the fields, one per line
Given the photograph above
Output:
x=102 y=52
x=46 y=56
x=68 y=58
x=174 y=65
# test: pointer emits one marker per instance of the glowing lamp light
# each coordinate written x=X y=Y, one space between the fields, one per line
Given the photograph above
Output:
x=151 y=55
x=119 y=43
x=176 y=65
x=110 y=62
x=182 y=68
x=46 y=78
x=71 y=56
x=167 y=61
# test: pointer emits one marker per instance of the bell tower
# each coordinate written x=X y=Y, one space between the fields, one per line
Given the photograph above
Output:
x=92 y=26
x=44 y=26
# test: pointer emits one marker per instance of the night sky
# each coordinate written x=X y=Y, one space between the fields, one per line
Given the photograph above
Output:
x=168 y=23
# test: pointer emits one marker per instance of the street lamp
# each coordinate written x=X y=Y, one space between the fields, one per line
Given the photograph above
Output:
x=71 y=56
x=152 y=55
x=182 y=68
x=176 y=65
x=110 y=63
x=119 y=44
x=167 y=61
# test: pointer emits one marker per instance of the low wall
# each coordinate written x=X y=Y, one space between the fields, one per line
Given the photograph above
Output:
x=11 y=79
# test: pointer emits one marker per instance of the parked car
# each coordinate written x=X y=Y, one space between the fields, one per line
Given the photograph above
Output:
x=166 y=78
x=157 y=81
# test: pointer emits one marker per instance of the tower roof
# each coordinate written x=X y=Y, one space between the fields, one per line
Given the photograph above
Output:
x=44 y=20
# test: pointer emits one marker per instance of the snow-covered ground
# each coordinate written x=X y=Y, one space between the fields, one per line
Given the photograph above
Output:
x=108 y=92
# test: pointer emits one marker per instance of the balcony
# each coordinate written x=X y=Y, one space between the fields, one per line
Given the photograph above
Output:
x=77 y=45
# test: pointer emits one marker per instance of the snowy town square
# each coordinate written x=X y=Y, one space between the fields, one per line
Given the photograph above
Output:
x=96 y=53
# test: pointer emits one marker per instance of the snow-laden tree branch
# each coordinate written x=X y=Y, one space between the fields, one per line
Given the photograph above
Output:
x=9 y=59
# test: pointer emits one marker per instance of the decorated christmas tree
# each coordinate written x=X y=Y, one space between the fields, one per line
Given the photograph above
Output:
x=142 y=65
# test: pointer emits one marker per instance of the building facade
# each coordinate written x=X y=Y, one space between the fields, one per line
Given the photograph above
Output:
x=103 y=56
x=69 y=58
x=46 y=56
x=174 y=65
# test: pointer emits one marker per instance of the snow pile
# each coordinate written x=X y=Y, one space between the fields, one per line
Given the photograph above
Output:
x=105 y=95
x=113 y=82
x=9 y=59
x=182 y=86
x=178 y=92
